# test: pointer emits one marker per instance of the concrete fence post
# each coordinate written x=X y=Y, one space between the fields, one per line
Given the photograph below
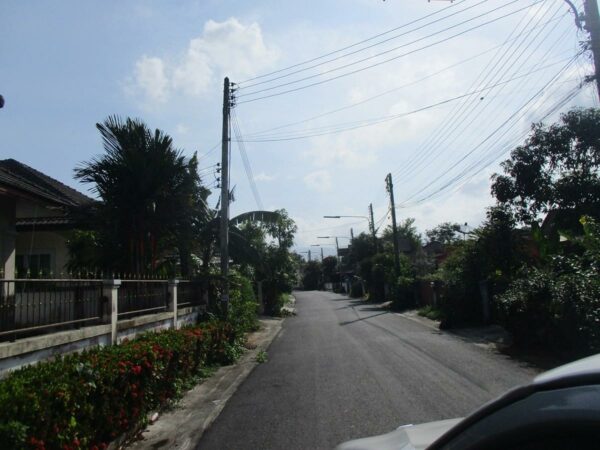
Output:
x=110 y=290
x=173 y=301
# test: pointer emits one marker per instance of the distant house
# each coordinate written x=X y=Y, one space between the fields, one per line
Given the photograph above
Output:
x=35 y=221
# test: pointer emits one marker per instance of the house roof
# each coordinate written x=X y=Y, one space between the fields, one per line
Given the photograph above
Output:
x=21 y=177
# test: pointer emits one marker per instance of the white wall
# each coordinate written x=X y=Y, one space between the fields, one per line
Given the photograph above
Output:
x=50 y=242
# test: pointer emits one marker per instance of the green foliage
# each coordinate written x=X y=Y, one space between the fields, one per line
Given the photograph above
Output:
x=88 y=399
x=446 y=233
x=356 y=290
x=559 y=304
x=491 y=257
x=431 y=312
x=262 y=357
x=152 y=199
x=274 y=264
x=556 y=169
x=329 y=267
x=407 y=233
x=243 y=306
x=311 y=277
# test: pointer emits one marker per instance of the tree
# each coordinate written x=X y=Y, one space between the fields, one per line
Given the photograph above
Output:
x=329 y=268
x=311 y=278
x=152 y=198
x=556 y=169
x=445 y=233
x=261 y=242
x=407 y=233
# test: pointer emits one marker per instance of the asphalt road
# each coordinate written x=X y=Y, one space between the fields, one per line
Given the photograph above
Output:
x=341 y=370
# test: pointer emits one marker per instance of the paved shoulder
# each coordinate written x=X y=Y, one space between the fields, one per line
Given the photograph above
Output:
x=183 y=427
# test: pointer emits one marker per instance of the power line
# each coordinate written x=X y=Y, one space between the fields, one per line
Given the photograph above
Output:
x=352 y=45
x=381 y=62
x=246 y=162
x=492 y=158
x=382 y=94
x=335 y=69
x=457 y=117
x=379 y=120
x=512 y=117
x=364 y=48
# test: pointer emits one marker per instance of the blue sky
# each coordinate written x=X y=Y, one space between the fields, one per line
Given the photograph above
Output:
x=69 y=64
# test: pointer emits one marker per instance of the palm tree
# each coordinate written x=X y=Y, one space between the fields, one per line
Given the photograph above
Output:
x=152 y=198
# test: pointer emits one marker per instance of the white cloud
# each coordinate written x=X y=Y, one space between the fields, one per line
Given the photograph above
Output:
x=264 y=177
x=319 y=180
x=228 y=47
x=182 y=128
x=151 y=78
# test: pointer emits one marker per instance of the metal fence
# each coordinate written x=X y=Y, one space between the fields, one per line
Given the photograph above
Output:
x=29 y=307
x=191 y=293
x=139 y=297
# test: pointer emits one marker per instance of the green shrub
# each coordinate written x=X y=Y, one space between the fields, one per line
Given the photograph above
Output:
x=431 y=312
x=559 y=307
x=356 y=290
x=87 y=399
x=243 y=306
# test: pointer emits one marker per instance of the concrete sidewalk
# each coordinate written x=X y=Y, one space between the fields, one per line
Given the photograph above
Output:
x=183 y=427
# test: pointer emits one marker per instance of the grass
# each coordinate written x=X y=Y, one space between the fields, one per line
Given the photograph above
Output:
x=262 y=357
x=431 y=313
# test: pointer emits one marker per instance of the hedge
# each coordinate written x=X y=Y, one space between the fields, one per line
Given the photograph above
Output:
x=86 y=400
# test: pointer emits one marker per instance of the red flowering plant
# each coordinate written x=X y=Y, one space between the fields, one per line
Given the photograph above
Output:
x=85 y=400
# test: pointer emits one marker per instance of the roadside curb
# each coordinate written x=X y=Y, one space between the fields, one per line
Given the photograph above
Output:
x=182 y=427
x=492 y=337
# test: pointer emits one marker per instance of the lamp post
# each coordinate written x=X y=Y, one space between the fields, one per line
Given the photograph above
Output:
x=318 y=245
x=369 y=221
x=307 y=252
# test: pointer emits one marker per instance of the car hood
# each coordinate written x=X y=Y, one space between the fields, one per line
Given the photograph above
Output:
x=407 y=437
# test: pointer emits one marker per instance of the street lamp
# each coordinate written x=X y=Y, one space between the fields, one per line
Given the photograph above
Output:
x=308 y=252
x=318 y=245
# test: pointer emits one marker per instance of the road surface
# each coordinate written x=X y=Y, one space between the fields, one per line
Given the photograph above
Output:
x=341 y=369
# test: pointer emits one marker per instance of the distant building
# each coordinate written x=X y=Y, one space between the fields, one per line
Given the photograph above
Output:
x=35 y=221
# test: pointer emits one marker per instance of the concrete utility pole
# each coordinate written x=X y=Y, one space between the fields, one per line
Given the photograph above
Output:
x=225 y=141
x=321 y=254
x=592 y=26
x=390 y=188
x=372 y=226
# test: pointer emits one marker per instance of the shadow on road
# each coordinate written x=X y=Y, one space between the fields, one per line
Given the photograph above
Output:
x=348 y=322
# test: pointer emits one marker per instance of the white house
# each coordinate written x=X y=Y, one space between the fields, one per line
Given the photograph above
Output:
x=35 y=221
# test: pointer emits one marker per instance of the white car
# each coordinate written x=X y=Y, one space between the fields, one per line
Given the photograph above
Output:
x=560 y=409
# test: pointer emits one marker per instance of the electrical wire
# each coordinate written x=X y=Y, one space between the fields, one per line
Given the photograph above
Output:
x=490 y=136
x=381 y=62
x=353 y=45
x=246 y=162
x=348 y=126
x=364 y=48
x=381 y=94
x=456 y=119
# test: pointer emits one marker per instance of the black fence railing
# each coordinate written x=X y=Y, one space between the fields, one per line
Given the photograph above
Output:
x=29 y=306
x=191 y=293
x=140 y=297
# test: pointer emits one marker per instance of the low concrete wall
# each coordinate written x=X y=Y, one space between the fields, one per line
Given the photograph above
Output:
x=22 y=352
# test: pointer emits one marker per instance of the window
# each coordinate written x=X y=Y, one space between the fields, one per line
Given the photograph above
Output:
x=33 y=266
